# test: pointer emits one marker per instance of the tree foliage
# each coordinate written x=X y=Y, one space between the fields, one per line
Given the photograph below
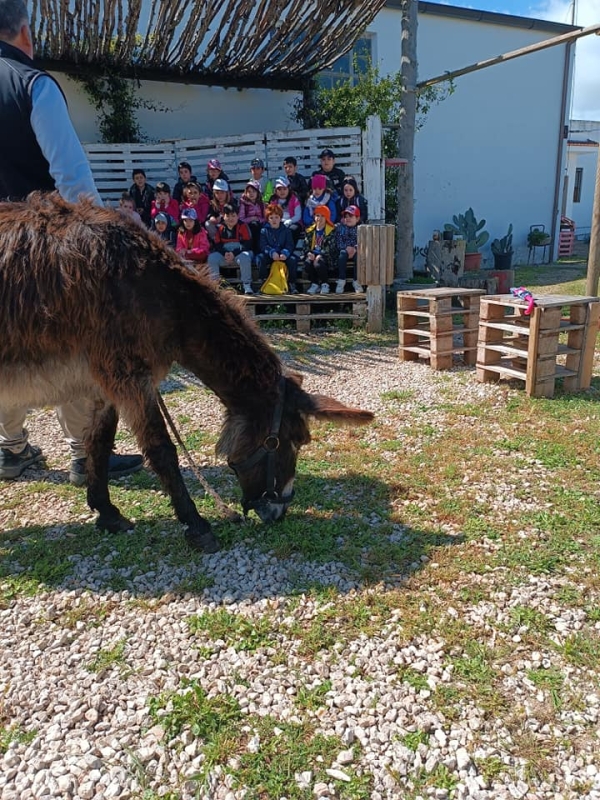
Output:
x=348 y=104
x=117 y=101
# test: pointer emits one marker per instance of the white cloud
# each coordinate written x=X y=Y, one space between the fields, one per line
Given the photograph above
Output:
x=586 y=96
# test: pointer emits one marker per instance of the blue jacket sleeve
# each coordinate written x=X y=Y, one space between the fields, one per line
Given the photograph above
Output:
x=59 y=143
x=288 y=242
x=265 y=246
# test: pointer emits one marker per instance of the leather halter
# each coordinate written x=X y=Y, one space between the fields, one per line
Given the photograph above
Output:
x=267 y=451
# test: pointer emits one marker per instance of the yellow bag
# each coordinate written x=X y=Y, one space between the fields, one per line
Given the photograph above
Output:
x=276 y=283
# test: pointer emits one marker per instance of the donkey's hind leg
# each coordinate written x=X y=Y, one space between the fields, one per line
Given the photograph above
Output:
x=99 y=445
x=151 y=433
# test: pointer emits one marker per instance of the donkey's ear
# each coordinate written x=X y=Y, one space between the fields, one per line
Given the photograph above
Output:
x=326 y=408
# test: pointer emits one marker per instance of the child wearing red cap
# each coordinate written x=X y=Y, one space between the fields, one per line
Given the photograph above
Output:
x=346 y=243
x=320 y=253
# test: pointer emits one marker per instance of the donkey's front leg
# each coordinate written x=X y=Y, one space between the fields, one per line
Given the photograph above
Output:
x=160 y=451
x=99 y=444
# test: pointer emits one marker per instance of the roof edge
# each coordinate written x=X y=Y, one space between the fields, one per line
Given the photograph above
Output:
x=281 y=83
x=489 y=17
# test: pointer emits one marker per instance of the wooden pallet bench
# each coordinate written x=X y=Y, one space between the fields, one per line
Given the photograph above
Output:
x=514 y=345
x=430 y=320
x=305 y=309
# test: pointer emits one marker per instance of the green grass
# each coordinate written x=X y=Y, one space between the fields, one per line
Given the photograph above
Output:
x=311 y=699
x=265 y=758
x=108 y=657
x=14 y=734
x=235 y=630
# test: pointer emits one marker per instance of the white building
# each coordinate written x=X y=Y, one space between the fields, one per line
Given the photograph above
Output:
x=582 y=164
x=497 y=144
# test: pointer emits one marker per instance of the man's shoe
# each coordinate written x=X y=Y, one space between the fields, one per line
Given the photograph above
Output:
x=13 y=464
x=340 y=286
x=248 y=289
x=313 y=288
x=118 y=467
x=357 y=287
x=324 y=288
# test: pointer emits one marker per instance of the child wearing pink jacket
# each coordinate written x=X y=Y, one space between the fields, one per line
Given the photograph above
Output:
x=192 y=240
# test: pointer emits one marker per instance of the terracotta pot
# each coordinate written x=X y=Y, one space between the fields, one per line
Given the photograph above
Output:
x=505 y=278
x=472 y=262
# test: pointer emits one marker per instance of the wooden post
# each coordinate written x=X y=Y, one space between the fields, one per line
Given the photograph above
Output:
x=375 y=268
x=406 y=138
x=373 y=187
x=593 y=273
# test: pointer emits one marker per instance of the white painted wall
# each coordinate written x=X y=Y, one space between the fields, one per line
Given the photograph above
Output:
x=585 y=157
x=193 y=112
x=492 y=145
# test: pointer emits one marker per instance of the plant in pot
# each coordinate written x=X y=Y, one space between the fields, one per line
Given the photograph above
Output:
x=467 y=226
x=537 y=237
x=502 y=250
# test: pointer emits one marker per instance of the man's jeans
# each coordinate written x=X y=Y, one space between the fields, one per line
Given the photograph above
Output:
x=243 y=260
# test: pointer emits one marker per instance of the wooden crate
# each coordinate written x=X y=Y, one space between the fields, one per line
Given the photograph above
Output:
x=428 y=326
x=514 y=345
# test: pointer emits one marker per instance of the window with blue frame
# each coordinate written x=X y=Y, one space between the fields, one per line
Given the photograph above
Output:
x=349 y=66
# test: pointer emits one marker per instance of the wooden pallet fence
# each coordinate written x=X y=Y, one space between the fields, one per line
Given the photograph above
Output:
x=112 y=163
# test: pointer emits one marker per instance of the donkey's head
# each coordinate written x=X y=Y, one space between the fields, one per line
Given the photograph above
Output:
x=263 y=453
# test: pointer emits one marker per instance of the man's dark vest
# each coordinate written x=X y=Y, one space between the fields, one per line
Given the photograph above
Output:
x=23 y=167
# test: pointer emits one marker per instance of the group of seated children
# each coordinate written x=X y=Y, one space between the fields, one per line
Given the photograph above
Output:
x=206 y=223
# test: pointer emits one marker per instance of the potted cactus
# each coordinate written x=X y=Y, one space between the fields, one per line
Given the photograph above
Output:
x=467 y=226
x=502 y=250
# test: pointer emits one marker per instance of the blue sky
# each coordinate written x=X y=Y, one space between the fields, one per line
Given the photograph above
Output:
x=586 y=99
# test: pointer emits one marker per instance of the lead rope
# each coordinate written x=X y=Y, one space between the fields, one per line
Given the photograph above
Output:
x=230 y=513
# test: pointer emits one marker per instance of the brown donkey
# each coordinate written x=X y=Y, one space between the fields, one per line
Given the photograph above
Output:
x=93 y=304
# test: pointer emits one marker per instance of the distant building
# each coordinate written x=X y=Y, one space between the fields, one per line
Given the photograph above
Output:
x=580 y=182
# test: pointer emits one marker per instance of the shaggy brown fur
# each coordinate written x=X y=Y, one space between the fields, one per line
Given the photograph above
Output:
x=93 y=304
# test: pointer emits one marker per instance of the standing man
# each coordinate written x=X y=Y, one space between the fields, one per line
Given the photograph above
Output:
x=334 y=174
x=39 y=149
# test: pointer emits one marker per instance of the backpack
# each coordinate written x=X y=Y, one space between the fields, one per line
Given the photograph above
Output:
x=276 y=283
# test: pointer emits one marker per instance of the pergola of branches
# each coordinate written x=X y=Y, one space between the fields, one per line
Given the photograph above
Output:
x=245 y=42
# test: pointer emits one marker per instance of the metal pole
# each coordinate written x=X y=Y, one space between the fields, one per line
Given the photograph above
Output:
x=593 y=271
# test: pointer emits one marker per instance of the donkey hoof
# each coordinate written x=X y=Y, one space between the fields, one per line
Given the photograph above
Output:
x=205 y=541
x=118 y=524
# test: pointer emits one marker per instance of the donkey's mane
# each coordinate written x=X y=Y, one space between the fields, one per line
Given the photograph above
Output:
x=73 y=277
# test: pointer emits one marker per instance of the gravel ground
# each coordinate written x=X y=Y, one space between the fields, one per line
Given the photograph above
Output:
x=94 y=737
